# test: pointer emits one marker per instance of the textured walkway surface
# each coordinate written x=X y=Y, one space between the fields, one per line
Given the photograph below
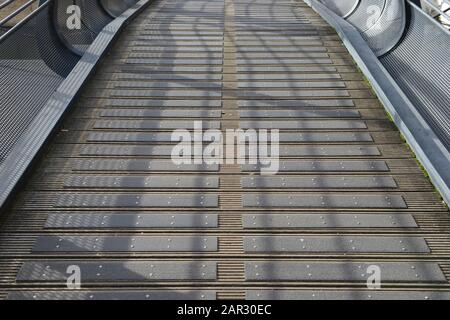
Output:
x=107 y=198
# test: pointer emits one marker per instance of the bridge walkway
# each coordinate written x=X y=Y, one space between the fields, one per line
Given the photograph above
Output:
x=349 y=199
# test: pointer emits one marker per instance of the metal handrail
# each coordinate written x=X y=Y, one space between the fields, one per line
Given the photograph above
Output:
x=440 y=11
x=16 y=12
x=6 y=3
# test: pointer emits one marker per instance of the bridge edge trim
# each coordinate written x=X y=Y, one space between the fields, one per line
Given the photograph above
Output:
x=428 y=148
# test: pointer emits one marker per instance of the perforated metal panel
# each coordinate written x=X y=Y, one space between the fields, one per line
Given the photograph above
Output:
x=420 y=65
x=417 y=59
x=387 y=31
x=116 y=7
x=380 y=22
x=342 y=8
x=31 y=57
x=94 y=16
x=78 y=40
x=36 y=57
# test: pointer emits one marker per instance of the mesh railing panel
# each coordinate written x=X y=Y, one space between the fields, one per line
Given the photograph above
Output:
x=380 y=22
x=366 y=14
x=36 y=56
x=388 y=29
x=77 y=39
x=93 y=15
x=416 y=54
x=116 y=7
x=32 y=65
x=420 y=64
x=342 y=8
x=3 y=31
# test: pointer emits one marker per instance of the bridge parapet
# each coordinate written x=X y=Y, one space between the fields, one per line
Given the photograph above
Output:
x=37 y=56
x=410 y=58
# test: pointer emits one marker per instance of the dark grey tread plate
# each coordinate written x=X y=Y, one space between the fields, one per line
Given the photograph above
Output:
x=125 y=244
x=280 y=56
x=179 y=55
x=341 y=220
x=290 y=84
x=304 y=124
x=168 y=76
x=167 y=84
x=44 y=271
x=324 y=166
x=296 y=113
x=295 y=103
x=139 y=46
x=274 y=93
x=326 y=294
x=130 y=220
x=287 y=77
x=290 y=69
x=142 y=182
x=120 y=150
x=174 y=61
x=343 y=271
x=323 y=201
x=319 y=53
x=115 y=295
x=336 y=244
x=139 y=165
x=142 y=137
x=151 y=93
x=152 y=124
x=288 y=151
x=163 y=113
x=166 y=103
x=319 y=182
x=325 y=137
x=129 y=200
x=284 y=61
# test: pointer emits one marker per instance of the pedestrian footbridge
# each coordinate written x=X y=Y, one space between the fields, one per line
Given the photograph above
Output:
x=95 y=207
